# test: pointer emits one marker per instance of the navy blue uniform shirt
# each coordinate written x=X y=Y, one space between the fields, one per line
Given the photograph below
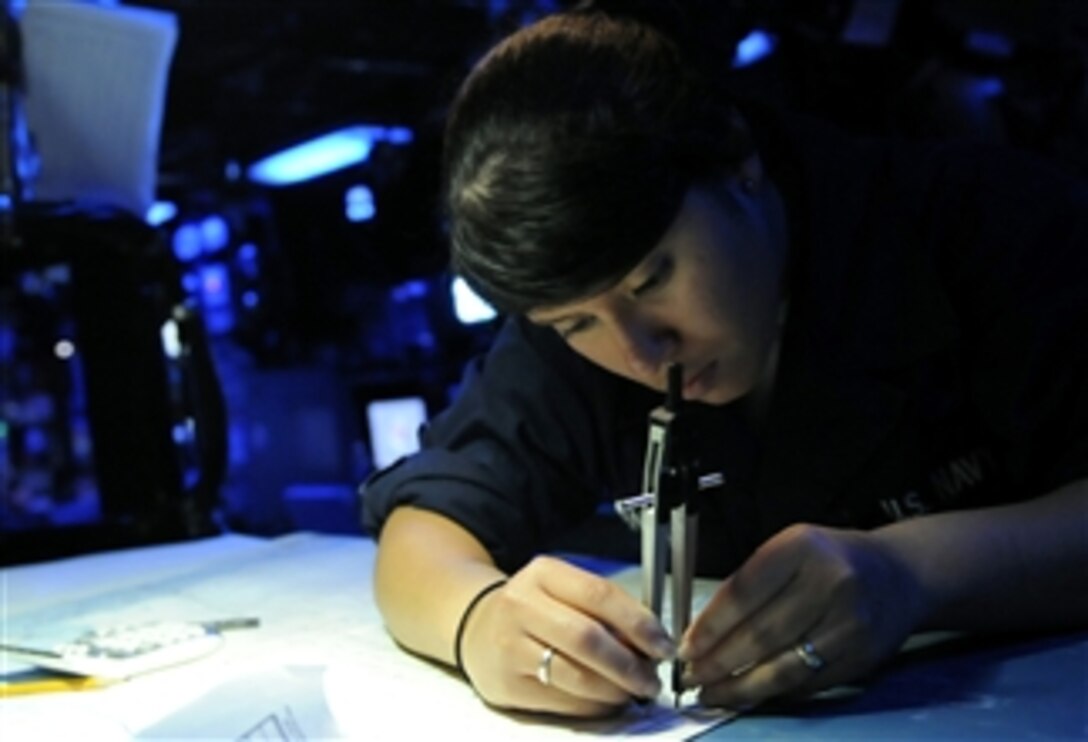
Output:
x=935 y=357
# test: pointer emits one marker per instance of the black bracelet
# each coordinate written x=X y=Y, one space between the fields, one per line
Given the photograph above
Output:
x=464 y=620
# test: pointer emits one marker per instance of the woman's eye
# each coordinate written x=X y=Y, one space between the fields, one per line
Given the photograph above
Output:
x=660 y=274
x=575 y=327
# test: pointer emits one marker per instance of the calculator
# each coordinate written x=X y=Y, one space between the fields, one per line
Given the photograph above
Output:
x=122 y=651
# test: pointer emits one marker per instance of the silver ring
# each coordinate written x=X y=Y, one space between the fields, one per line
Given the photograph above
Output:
x=544 y=669
x=807 y=653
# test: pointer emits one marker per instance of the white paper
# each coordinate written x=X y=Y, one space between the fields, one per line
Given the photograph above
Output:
x=96 y=81
x=320 y=662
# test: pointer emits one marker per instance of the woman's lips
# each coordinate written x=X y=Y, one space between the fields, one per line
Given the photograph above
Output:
x=700 y=381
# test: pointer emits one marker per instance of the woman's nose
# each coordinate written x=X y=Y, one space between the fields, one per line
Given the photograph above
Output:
x=646 y=346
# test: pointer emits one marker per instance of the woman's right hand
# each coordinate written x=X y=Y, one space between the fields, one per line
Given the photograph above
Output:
x=604 y=644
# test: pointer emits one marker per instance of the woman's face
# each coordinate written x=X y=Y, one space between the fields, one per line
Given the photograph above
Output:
x=707 y=296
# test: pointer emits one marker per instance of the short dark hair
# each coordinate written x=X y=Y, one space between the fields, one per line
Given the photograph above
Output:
x=568 y=150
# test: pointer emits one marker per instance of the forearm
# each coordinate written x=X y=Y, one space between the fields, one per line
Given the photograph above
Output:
x=1020 y=566
x=428 y=570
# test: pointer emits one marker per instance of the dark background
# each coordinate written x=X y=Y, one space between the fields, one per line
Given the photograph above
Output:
x=321 y=314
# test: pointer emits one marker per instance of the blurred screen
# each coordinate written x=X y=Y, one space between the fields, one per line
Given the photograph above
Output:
x=394 y=428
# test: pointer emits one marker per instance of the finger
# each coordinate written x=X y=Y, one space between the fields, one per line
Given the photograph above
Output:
x=532 y=696
x=610 y=604
x=559 y=672
x=844 y=659
x=597 y=650
x=513 y=682
x=816 y=661
x=762 y=635
x=768 y=572
x=572 y=611
x=597 y=623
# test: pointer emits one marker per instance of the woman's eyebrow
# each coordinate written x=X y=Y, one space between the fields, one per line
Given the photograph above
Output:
x=551 y=321
x=646 y=271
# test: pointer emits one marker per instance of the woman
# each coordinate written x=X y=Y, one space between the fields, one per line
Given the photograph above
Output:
x=885 y=344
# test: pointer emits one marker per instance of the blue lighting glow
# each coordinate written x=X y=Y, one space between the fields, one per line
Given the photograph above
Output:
x=215 y=233
x=160 y=212
x=35 y=440
x=248 y=260
x=182 y=432
x=409 y=291
x=359 y=204
x=214 y=285
x=215 y=298
x=990 y=43
x=757 y=45
x=190 y=282
x=467 y=304
x=188 y=242
x=325 y=154
x=7 y=344
x=987 y=87
x=397 y=135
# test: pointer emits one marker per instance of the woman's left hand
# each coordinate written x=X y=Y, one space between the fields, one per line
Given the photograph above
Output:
x=813 y=607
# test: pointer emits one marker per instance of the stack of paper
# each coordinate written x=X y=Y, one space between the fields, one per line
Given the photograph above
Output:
x=96 y=80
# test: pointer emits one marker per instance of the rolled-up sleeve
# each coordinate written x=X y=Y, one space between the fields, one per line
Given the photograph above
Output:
x=518 y=456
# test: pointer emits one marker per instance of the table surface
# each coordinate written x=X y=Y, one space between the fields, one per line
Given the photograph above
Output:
x=322 y=661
